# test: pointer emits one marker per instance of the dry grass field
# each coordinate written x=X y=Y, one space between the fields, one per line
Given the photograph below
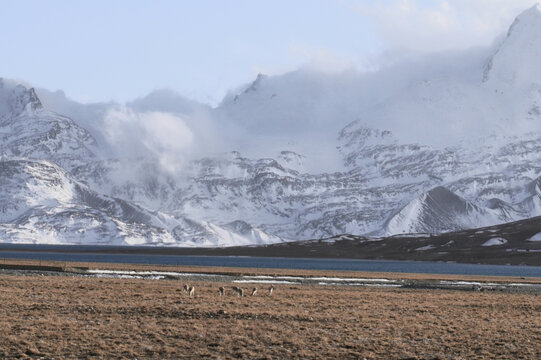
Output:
x=76 y=317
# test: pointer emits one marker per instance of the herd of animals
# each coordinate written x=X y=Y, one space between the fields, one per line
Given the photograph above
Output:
x=190 y=290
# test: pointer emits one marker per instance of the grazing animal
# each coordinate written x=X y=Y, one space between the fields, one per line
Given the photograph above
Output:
x=185 y=288
x=191 y=291
x=238 y=290
x=271 y=289
x=221 y=289
x=254 y=291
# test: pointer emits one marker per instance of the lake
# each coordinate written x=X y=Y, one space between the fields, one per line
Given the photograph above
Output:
x=114 y=255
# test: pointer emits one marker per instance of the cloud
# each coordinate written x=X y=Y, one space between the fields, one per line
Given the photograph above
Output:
x=167 y=100
x=440 y=25
x=138 y=134
x=322 y=59
x=303 y=110
x=162 y=125
x=405 y=28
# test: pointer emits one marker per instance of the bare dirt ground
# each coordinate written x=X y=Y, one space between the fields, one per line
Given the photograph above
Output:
x=80 y=317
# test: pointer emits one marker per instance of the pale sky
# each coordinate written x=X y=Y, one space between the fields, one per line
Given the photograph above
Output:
x=100 y=50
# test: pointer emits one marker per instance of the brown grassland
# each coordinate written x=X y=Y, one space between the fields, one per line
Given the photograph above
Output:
x=79 y=317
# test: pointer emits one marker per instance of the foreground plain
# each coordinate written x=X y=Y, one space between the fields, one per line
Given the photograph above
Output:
x=82 y=317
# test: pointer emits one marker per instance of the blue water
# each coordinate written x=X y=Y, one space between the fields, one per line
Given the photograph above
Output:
x=13 y=252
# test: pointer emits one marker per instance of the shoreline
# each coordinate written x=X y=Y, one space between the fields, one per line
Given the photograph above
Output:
x=228 y=270
x=390 y=249
x=124 y=258
x=231 y=275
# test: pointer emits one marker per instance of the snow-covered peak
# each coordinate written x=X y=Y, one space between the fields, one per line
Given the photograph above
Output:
x=256 y=83
x=292 y=160
x=15 y=98
x=529 y=17
x=29 y=130
x=516 y=61
x=440 y=210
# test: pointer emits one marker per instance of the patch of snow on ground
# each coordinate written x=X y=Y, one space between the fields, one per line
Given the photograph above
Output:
x=447 y=282
x=495 y=242
x=536 y=237
x=274 y=277
x=144 y=273
x=264 y=282
x=336 y=279
x=358 y=284
x=115 y=276
x=412 y=235
x=425 y=248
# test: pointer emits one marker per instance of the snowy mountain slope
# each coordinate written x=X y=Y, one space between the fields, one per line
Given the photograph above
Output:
x=87 y=116
x=515 y=62
x=431 y=144
x=440 y=210
x=444 y=126
x=277 y=199
x=29 y=130
x=42 y=203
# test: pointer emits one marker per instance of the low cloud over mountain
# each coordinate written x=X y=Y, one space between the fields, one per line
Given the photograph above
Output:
x=431 y=143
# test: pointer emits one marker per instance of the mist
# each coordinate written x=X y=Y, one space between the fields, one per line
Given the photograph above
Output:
x=426 y=94
x=301 y=111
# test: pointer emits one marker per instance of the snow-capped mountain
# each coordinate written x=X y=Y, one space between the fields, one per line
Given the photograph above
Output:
x=42 y=203
x=29 y=130
x=440 y=210
x=430 y=144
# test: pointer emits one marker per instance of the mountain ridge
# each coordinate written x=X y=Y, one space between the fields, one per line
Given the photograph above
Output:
x=306 y=155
